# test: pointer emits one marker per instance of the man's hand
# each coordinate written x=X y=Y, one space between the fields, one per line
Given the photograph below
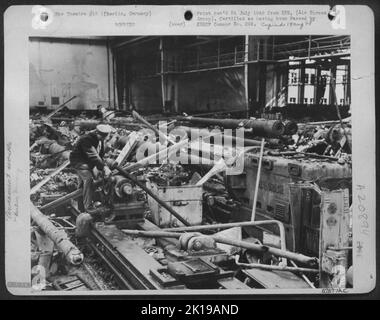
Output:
x=107 y=171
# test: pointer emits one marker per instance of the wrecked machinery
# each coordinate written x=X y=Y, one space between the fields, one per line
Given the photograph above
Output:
x=184 y=226
x=280 y=197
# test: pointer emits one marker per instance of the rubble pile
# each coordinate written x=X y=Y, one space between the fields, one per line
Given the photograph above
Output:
x=169 y=174
x=330 y=140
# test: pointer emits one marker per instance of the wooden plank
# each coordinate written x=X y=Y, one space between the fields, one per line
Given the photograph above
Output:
x=128 y=148
x=276 y=279
x=61 y=201
x=51 y=175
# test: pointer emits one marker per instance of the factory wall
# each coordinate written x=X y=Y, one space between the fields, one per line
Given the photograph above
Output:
x=62 y=68
x=211 y=91
x=146 y=95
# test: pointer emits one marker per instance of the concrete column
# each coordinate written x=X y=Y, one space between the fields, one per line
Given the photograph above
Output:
x=276 y=85
x=332 y=85
x=126 y=94
x=163 y=91
x=301 y=86
x=317 y=84
x=347 y=86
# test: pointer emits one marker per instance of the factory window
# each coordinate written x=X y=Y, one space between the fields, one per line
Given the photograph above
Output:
x=306 y=79
x=305 y=100
x=311 y=100
x=292 y=100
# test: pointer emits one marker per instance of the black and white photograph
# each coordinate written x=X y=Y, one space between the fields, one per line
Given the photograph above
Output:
x=105 y=218
x=196 y=150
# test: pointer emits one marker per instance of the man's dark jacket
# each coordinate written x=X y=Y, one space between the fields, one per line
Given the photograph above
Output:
x=85 y=154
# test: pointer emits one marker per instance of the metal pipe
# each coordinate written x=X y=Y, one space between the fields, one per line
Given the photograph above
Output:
x=257 y=181
x=303 y=276
x=339 y=248
x=246 y=77
x=165 y=243
x=152 y=127
x=258 y=126
x=232 y=225
x=329 y=122
x=293 y=153
x=196 y=132
x=163 y=93
x=274 y=267
x=59 y=108
x=316 y=57
x=218 y=112
x=72 y=254
x=332 y=87
x=261 y=248
x=232 y=242
x=114 y=85
x=305 y=41
x=246 y=142
x=63 y=200
x=222 y=226
x=108 y=72
x=152 y=234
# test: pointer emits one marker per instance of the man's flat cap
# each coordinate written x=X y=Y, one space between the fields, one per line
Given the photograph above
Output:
x=104 y=128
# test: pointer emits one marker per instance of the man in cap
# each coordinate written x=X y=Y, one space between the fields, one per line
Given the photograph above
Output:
x=88 y=154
